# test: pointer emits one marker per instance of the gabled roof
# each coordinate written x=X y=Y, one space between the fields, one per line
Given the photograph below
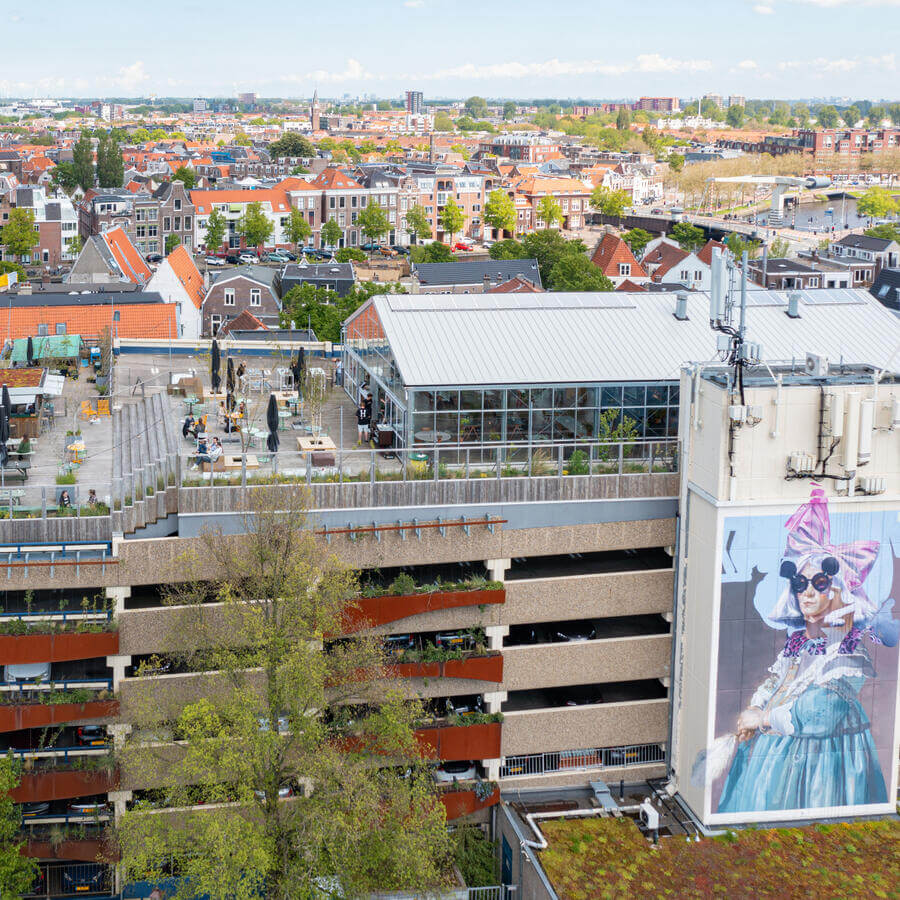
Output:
x=610 y=252
x=130 y=263
x=335 y=180
x=886 y=289
x=516 y=285
x=204 y=200
x=704 y=254
x=865 y=242
x=187 y=273
x=544 y=184
x=629 y=286
x=293 y=183
x=244 y=321
x=466 y=271
x=662 y=258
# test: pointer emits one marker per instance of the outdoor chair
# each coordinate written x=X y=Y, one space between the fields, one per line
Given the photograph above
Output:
x=103 y=407
x=87 y=411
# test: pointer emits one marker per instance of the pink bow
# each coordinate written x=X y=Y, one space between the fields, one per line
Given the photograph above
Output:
x=809 y=532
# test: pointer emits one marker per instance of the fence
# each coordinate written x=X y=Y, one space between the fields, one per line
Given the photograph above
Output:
x=71 y=880
x=578 y=760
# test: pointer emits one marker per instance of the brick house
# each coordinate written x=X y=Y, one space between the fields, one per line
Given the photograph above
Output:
x=570 y=193
x=614 y=258
x=251 y=288
x=175 y=214
x=54 y=218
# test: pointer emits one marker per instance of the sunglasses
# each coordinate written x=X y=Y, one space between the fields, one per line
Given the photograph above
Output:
x=820 y=581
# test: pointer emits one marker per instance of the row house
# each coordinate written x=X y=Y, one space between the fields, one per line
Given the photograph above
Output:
x=533 y=148
x=643 y=181
x=866 y=256
x=343 y=198
x=571 y=195
x=842 y=147
x=55 y=220
x=273 y=202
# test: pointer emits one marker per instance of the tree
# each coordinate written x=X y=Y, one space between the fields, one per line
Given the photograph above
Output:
x=16 y=871
x=877 y=203
x=875 y=116
x=75 y=245
x=508 y=249
x=887 y=231
x=779 y=248
x=324 y=310
x=689 y=237
x=350 y=254
x=443 y=122
x=738 y=245
x=476 y=107
x=575 y=272
x=241 y=140
x=417 y=222
x=216 y=226
x=801 y=114
x=255 y=226
x=298 y=229
x=110 y=165
x=331 y=233
x=19 y=235
x=637 y=239
x=373 y=221
x=548 y=246
x=187 y=176
x=172 y=241
x=65 y=177
x=610 y=202
x=623 y=120
x=549 y=211
x=291 y=144
x=500 y=211
x=509 y=110
x=429 y=253
x=735 y=115
x=675 y=161
x=827 y=116
x=141 y=135
x=83 y=161
x=158 y=135
x=851 y=116
x=280 y=719
x=452 y=218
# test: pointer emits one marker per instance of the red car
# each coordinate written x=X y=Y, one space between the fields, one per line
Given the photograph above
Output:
x=461 y=246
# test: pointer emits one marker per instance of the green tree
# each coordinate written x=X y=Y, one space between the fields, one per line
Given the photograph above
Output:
x=877 y=203
x=75 y=245
x=827 y=116
x=623 y=120
x=141 y=135
x=110 y=165
x=575 y=272
x=293 y=145
x=508 y=249
x=637 y=239
x=779 y=248
x=324 y=310
x=500 y=211
x=476 y=107
x=216 y=226
x=7 y=265
x=350 y=254
x=443 y=122
x=65 y=177
x=689 y=237
x=255 y=226
x=801 y=114
x=737 y=245
x=331 y=233
x=19 y=235
x=429 y=253
x=172 y=241
x=510 y=109
x=548 y=246
x=875 y=116
x=452 y=218
x=888 y=231
x=462 y=150
x=241 y=140
x=851 y=116
x=83 y=161
x=675 y=161
x=417 y=223
x=298 y=229
x=373 y=221
x=158 y=135
x=610 y=202
x=735 y=116
x=186 y=175
x=549 y=211
x=280 y=719
x=16 y=871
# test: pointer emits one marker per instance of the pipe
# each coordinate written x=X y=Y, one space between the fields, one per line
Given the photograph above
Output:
x=541 y=842
x=776 y=430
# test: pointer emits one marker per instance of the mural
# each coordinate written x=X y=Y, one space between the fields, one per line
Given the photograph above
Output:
x=808 y=661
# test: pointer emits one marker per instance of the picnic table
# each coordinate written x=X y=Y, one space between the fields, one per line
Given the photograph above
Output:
x=313 y=444
x=11 y=495
x=234 y=462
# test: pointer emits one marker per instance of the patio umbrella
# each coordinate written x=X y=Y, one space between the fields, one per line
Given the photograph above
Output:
x=29 y=350
x=216 y=366
x=272 y=440
x=4 y=435
x=230 y=402
x=6 y=402
x=297 y=368
x=229 y=375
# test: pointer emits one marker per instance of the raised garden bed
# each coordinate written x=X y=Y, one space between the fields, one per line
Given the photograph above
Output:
x=477 y=668
x=372 y=611
x=39 y=715
x=35 y=646
x=464 y=802
x=451 y=743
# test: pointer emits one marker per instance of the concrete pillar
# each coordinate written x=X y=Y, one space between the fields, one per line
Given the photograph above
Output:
x=495 y=635
x=497 y=568
x=119 y=732
x=118 y=799
x=493 y=701
x=118 y=664
x=492 y=769
x=118 y=595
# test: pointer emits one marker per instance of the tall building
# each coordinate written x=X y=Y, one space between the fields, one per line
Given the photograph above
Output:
x=199 y=105
x=248 y=98
x=314 y=111
x=658 y=104
x=414 y=103
x=716 y=98
x=737 y=100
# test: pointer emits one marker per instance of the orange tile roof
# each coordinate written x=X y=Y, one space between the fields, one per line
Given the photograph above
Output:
x=126 y=255
x=629 y=285
x=335 y=179
x=136 y=320
x=610 y=252
x=538 y=184
x=516 y=285
x=705 y=254
x=245 y=321
x=663 y=256
x=204 y=200
x=188 y=274
x=296 y=184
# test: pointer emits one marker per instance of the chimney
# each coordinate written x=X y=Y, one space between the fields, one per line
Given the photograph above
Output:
x=793 y=310
x=431 y=148
x=487 y=284
x=681 y=306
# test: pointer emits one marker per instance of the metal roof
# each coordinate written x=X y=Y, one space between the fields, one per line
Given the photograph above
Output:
x=474 y=271
x=558 y=338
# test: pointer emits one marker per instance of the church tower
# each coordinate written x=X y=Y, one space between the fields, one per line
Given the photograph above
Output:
x=314 y=111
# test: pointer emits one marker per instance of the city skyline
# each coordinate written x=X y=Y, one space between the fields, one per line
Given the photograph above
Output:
x=653 y=49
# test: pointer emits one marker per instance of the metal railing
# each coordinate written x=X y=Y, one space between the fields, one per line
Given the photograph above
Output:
x=74 y=879
x=579 y=760
x=24 y=687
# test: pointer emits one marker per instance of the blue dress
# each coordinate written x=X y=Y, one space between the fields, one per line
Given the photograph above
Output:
x=819 y=750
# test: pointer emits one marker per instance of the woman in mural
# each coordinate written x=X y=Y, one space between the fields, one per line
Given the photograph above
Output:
x=805 y=740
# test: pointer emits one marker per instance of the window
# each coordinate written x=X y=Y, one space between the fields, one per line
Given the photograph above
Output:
x=60 y=327
x=187 y=223
x=342 y=202
x=43 y=330
x=153 y=214
x=215 y=323
x=331 y=203
x=177 y=204
x=228 y=296
x=684 y=275
x=254 y=297
x=177 y=223
x=300 y=202
x=152 y=230
x=167 y=224
x=353 y=202
x=625 y=269
x=342 y=219
x=698 y=275
x=813 y=282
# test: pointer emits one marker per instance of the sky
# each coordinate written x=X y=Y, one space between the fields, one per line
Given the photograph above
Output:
x=453 y=48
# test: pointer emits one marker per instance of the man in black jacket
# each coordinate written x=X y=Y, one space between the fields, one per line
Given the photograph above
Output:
x=363 y=423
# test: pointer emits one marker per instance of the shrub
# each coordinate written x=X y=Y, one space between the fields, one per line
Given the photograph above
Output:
x=476 y=857
x=404 y=583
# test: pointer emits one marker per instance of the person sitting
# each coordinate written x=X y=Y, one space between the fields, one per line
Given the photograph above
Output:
x=92 y=500
x=188 y=427
x=242 y=410
x=65 y=500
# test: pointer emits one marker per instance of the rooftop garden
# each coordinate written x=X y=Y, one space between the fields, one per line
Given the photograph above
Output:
x=610 y=858
x=404 y=585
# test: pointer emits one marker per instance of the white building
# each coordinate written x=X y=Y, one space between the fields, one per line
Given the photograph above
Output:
x=178 y=281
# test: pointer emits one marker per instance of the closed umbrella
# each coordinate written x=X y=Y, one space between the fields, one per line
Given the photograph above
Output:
x=230 y=402
x=216 y=378
x=29 y=350
x=4 y=399
x=229 y=375
x=4 y=435
x=272 y=441
x=298 y=368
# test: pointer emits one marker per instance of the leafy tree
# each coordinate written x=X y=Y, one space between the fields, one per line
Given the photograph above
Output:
x=7 y=265
x=509 y=110
x=373 y=221
x=801 y=113
x=75 y=245
x=623 y=120
x=429 y=253
x=172 y=241
x=462 y=150
x=549 y=211
x=888 y=231
x=65 y=177
x=110 y=165
x=689 y=237
x=331 y=233
x=443 y=122
x=508 y=249
x=575 y=272
x=216 y=226
x=141 y=135
x=83 y=161
x=851 y=116
x=291 y=144
x=255 y=225
x=476 y=107
x=779 y=248
x=675 y=161
x=637 y=239
x=548 y=246
x=735 y=116
x=877 y=202
x=452 y=218
x=828 y=116
x=187 y=176
x=737 y=245
x=417 y=223
x=323 y=309
x=298 y=229
x=299 y=170
x=500 y=211
x=350 y=254
x=16 y=871
x=610 y=202
x=241 y=140
x=158 y=135
x=875 y=116
x=365 y=827
x=19 y=235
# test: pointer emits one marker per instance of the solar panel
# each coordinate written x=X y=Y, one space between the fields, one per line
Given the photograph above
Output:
x=766 y=298
x=833 y=297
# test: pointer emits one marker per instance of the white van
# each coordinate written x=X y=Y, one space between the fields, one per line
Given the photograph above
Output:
x=26 y=673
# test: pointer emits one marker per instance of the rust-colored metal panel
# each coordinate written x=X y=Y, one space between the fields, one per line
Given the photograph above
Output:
x=37 y=715
x=464 y=803
x=372 y=611
x=16 y=649
x=39 y=786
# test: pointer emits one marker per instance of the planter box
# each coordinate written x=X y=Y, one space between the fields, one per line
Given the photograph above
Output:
x=76 y=850
x=415 y=670
x=40 y=786
x=372 y=611
x=464 y=803
x=33 y=648
x=451 y=743
x=476 y=668
x=39 y=715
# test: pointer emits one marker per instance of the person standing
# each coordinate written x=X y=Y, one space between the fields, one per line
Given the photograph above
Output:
x=363 y=423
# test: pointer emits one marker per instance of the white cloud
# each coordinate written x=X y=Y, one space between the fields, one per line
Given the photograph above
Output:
x=130 y=77
x=353 y=72
x=414 y=4
x=748 y=64
x=830 y=4
x=763 y=9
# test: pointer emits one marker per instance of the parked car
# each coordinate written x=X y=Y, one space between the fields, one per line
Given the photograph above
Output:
x=459 y=245
x=92 y=808
x=454 y=640
x=370 y=247
x=154 y=257
x=283 y=725
x=34 y=810
x=214 y=261
x=387 y=251
x=274 y=257
x=396 y=644
x=92 y=736
x=322 y=254
x=248 y=258
x=448 y=772
x=26 y=673
x=286 y=254
x=233 y=259
x=82 y=878
x=575 y=633
x=284 y=792
x=465 y=706
x=402 y=251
